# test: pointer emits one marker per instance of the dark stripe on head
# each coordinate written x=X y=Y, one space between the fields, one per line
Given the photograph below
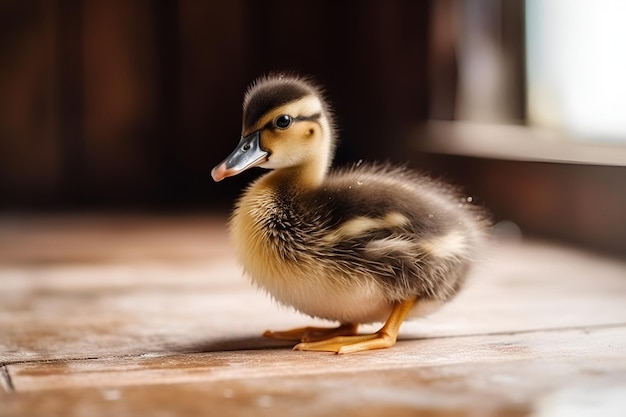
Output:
x=271 y=92
x=312 y=118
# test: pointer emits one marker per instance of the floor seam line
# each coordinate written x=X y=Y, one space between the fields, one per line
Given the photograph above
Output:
x=6 y=376
x=513 y=332
x=4 y=366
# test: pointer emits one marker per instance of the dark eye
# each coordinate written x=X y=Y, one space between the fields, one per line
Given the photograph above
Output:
x=283 y=122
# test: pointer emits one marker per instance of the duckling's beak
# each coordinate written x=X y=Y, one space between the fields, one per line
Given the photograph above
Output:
x=247 y=154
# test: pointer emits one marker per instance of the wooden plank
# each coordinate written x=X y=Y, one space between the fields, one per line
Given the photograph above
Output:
x=71 y=238
x=131 y=315
x=603 y=345
x=516 y=375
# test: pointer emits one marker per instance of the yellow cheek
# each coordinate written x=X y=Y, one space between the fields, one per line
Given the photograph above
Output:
x=292 y=141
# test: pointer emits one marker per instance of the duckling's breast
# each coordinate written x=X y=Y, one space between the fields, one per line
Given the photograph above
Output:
x=278 y=237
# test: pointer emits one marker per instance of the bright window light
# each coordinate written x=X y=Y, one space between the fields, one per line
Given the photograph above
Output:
x=576 y=67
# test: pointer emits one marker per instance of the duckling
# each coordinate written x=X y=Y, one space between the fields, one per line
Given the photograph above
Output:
x=364 y=244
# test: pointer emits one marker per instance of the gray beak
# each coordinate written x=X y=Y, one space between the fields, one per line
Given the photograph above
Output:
x=247 y=154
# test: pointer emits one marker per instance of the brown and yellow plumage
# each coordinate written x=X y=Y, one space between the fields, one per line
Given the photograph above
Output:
x=370 y=243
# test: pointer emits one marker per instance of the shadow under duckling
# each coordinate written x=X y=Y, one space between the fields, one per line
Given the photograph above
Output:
x=369 y=243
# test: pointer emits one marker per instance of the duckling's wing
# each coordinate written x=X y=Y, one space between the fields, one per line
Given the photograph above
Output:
x=410 y=233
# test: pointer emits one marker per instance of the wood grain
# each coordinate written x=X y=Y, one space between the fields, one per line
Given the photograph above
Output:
x=132 y=314
x=601 y=346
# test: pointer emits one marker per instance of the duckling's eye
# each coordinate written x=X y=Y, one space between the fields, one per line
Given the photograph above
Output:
x=283 y=122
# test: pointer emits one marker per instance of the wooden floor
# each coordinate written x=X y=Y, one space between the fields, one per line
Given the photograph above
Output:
x=144 y=315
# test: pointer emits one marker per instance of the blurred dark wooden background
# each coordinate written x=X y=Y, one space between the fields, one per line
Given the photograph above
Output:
x=124 y=103
x=116 y=104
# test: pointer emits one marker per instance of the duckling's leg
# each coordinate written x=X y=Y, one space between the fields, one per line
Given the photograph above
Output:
x=384 y=338
x=313 y=334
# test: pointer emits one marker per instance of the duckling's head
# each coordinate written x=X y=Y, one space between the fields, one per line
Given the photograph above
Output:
x=286 y=125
